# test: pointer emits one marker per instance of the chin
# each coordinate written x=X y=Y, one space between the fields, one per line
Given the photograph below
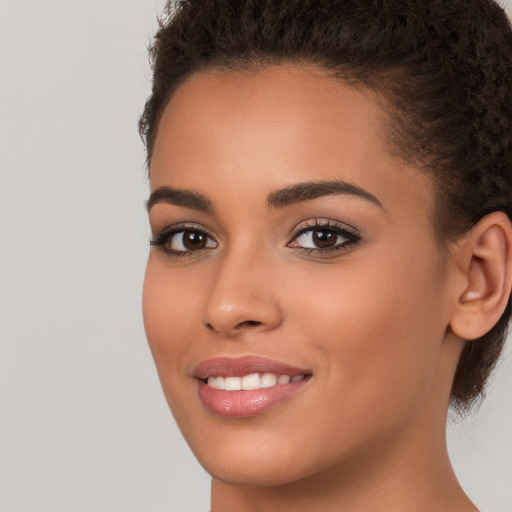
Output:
x=249 y=457
x=255 y=472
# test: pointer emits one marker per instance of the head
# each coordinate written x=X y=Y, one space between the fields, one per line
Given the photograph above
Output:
x=443 y=68
x=429 y=80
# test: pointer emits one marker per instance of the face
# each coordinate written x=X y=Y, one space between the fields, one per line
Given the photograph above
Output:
x=293 y=257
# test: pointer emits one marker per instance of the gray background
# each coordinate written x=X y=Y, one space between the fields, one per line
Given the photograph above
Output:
x=83 y=423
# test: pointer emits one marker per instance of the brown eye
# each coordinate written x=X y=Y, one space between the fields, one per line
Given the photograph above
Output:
x=323 y=238
x=190 y=240
x=193 y=240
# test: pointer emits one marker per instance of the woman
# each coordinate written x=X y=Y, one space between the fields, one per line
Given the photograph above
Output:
x=331 y=259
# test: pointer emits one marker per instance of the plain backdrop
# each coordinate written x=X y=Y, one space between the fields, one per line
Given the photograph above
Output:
x=83 y=423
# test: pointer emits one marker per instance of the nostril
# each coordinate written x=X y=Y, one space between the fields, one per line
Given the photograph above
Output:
x=247 y=323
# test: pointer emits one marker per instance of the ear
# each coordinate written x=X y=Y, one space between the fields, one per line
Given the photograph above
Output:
x=484 y=256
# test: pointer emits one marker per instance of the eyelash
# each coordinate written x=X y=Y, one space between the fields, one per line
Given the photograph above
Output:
x=349 y=233
x=161 y=239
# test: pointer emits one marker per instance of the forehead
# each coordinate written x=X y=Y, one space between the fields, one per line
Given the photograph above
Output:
x=275 y=108
x=259 y=130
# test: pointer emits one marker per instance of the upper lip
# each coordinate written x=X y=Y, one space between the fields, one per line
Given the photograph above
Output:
x=238 y=367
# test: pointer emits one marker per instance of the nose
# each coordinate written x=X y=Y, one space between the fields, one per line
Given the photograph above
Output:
x=242 y=299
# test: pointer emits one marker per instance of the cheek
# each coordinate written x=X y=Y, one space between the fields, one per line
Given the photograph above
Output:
x=170 y=310
x=377 y=327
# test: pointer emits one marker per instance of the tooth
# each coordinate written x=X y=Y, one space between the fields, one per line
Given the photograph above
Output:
x=268 y=380
x=219 y=382
x=283 y=379
x=251 y=382
x=296 y=378
x=211 y=382
x=232 y=383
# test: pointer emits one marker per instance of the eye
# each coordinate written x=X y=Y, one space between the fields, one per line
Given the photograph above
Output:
x=324 y=236
x=189 y=241
x=183 y=240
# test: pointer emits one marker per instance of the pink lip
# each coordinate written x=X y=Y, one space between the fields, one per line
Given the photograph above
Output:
x=244 y=404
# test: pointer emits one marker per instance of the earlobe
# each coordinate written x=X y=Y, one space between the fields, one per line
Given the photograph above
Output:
x=485 y=258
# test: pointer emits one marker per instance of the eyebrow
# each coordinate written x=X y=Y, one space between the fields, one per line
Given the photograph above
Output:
x=281 y=198
x=180 y=197
x=312 y=190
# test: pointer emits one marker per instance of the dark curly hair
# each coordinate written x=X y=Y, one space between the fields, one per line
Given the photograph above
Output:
x=444 y=67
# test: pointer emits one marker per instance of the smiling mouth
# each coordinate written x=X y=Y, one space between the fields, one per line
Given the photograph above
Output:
x=251 y=381
x=247 y=386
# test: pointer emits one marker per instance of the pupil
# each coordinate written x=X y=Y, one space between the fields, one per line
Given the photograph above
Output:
x=324 y=238
x=194 y=240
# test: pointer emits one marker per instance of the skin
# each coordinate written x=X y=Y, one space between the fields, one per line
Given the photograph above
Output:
x=372 y=320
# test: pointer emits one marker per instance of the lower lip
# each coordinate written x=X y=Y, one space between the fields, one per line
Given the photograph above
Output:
x=244 y=404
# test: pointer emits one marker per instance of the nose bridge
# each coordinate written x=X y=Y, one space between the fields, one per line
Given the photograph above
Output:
x=242 y=295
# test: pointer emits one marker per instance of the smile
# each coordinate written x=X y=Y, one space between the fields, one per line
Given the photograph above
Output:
x=247 y=386
x=252 y=381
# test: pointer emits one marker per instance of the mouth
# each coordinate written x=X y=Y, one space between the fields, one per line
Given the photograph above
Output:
x=248 y=386
x=252 y=381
